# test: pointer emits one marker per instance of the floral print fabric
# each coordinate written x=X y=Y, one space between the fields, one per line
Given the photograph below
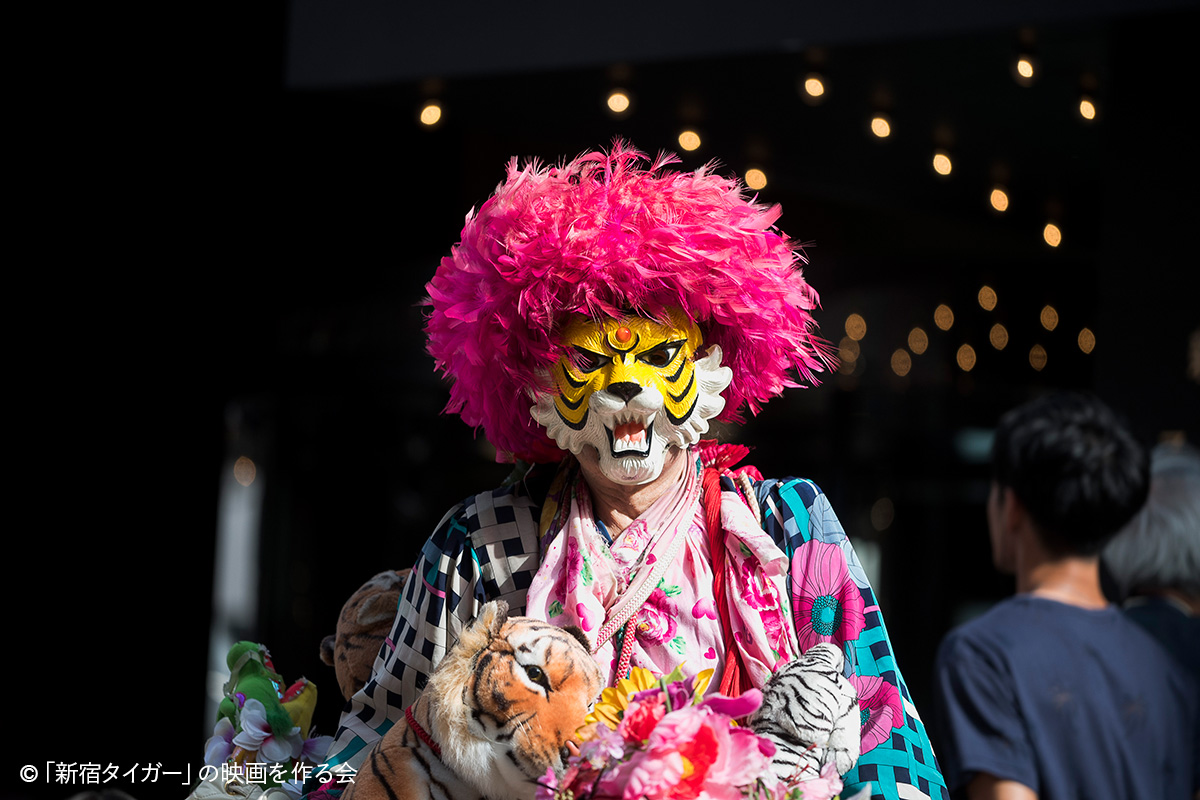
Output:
x=583 y=581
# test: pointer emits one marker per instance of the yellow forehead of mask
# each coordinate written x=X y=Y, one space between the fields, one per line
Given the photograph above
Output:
x=631 y=335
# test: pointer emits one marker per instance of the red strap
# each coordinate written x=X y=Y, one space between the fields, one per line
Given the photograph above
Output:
x=735 y=679
x=421 y=733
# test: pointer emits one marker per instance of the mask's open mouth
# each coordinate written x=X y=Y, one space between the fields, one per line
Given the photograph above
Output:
x=631 y=438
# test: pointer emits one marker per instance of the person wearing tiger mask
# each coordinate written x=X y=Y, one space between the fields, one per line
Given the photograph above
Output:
x=593 y=319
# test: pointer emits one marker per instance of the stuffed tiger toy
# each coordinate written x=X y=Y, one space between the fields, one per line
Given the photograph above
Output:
x=496 y=713
x=362 y=626
x=810 y=712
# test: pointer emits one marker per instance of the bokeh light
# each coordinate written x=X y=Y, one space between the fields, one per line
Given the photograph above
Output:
x=1086 y=340
x=1087 y=109
x=848 y=350
x=618 y=102
x=1049 y=318
x=965 y=358
x=999 y=199
x=880 y=126
x=918 y=340
x=883 y=513
x=987 y=298
x=1052 y=234
x=998 y=336
x=244 y=471
x=814 y=85
x=756 y=179
x=689 y=140
x=941 y=163
x=1037 y=357
x=431 y=114
x=856 y=327
x=943 y=317
x=901 y=362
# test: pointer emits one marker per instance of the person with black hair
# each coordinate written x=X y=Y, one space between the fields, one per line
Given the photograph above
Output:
x=1054 y=693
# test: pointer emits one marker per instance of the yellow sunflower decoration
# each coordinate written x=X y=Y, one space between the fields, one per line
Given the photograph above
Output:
x=610 y=708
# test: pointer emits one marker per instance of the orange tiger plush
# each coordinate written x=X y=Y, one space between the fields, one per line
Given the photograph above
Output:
x=364 y=623
x=495 y=715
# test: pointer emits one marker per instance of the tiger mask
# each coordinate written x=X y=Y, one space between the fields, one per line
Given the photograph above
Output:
x=496 y=713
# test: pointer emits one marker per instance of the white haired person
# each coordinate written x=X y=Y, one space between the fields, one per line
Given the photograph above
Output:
x=1155 y=559
x=593 y=319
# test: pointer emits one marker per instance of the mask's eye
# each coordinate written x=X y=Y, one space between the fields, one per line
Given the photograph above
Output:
x=662 y=355
x=587 y=361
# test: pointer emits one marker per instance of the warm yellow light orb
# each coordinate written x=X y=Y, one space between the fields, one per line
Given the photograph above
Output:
x=756 y=179
x=618 y=102
x=1052 y=234
x=814 y=86
x=999 y=199
x=943 y=317
x=856 y=327
x=1087 y=340
x=430 y=114
x=689 y=140
x=848 y=350
x=998 y=336
x=881 y=127
x=1087 y=109
x=941 y=163
x=1037 y=357
x=1025 y=68
x=901 y=362
x=1049 y=318
x=918 y=340
x=965 y=358
x=987 y=298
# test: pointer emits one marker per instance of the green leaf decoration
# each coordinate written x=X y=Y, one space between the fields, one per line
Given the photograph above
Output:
x=677 y=645
x=555 y=609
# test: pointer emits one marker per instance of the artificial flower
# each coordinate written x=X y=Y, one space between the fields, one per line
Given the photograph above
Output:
x=256 y=734
x=219 y=747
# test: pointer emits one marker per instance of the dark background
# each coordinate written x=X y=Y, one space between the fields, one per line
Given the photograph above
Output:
x=258 y=216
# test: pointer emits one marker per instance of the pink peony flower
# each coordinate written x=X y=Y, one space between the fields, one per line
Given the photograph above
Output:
x=880 y=709
x=642 y=716
x=656 y=620
x=828 y=605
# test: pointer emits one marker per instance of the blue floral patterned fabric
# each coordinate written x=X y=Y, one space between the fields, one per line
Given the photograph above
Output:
x=486 y=548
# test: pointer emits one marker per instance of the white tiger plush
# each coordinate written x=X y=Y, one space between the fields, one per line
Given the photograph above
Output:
x=496 y=713
x=810 y=712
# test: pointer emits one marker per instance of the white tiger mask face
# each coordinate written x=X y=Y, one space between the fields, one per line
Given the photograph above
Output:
x=631 y=388
x=507 y=698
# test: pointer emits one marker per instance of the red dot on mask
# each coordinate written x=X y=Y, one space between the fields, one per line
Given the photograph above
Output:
x=623 y=334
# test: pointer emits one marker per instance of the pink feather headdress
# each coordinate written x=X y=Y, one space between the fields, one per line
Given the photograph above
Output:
x=603 y=236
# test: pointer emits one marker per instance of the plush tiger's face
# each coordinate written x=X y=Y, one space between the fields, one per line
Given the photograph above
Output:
x=631 y=388
x=524 y=687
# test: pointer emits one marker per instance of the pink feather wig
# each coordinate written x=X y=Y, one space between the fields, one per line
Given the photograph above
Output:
x=604 y=236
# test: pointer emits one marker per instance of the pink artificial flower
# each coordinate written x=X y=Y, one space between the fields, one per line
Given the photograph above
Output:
x=656 y=623
x=649 y=776
x=828 y=605
x=642 y=716
x=880 y=709
x=824 y=787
